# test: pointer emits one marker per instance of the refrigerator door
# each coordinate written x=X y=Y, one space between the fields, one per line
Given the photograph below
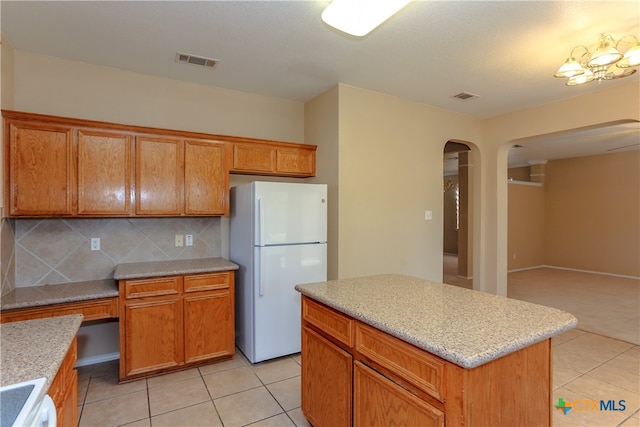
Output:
x=287 y=213
x=277 y=304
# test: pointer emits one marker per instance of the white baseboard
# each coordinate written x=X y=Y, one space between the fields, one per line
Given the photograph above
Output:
x=526 y=268
x=592 y=272
x=86 y=361
x=573 y=269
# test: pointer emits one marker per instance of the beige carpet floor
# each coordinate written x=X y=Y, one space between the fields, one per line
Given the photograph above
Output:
x=605 y=305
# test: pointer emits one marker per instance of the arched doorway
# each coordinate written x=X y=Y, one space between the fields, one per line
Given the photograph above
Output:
x=457 y=267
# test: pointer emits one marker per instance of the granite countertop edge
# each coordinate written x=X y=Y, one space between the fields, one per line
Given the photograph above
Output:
x=43 y=295
x=172 y=268
x=36 y=348
x=425 y=343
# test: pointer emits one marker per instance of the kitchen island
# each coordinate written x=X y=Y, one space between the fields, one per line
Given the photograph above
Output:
x=398 y=350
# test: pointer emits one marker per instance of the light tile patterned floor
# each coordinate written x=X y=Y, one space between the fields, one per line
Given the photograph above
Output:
x=235 y=393
x=228 y=393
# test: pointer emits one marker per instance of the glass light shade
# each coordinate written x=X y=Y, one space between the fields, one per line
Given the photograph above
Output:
x=604 y=55
x=359 y=17
x=581 y=78
x=631 y=58
x=617 y=73
x=569 y=69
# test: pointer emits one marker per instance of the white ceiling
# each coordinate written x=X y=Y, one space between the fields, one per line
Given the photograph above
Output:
x=504 y=51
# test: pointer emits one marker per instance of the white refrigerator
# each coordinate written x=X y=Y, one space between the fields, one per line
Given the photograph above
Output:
x=278 y=237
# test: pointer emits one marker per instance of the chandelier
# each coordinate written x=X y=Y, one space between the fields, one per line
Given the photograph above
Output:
x=608 y=61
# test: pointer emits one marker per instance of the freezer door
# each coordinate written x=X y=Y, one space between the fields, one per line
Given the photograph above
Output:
x=277 y=303
x=288 y=213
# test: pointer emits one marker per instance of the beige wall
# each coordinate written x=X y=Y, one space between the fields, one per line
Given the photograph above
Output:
x=619 y=101
x=390 y=173
x=60 y=87
x=322 y=128
x=593 y=213
x=525 y=245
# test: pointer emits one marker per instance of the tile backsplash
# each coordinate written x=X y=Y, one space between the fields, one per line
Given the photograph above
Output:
x=7 y=255
x=49 y=251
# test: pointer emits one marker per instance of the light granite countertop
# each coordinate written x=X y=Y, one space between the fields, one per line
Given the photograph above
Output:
x=35 y=348
x=136 y=270
x=36 y=296
x=466 y=327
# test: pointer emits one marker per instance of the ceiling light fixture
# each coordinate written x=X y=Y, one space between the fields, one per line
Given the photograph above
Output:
x=360 y=17
x=607 y=62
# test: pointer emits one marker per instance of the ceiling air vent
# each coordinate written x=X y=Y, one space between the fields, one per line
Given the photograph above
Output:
x=185 y=58
x=465 y=96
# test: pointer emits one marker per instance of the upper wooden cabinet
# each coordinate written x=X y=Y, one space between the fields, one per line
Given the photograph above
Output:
x=206 y=178
x=41 y=175
x=159 y=176
x=57 y=166
x=274 y=159
x=104 y=173
x=181 y=177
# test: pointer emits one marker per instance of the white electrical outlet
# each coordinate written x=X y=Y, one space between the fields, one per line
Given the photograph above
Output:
x=428 y=215
x=179 y=240
x=188 y=240
x=95 y=243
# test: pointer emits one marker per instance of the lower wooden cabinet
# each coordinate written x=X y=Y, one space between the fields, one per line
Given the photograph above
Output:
x=326 y=381
x=169 y=323
x=64 y=389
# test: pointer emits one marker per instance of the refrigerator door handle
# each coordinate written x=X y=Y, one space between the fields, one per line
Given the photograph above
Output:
x=260 y=222
x=259 y=273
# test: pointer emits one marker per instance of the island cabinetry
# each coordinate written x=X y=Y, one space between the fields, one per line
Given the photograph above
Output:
x=327 y=369
x=278 y=159
x=104 y=173
x=172 y=322
x=355 y=374
x=64 y=389
x=41 y=169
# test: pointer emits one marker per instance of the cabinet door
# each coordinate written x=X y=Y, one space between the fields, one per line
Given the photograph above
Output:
x=254 y=158
x=206 y=178
x=159 y=176
x=377 y=401
x=152 y=334
x=104 y=173
x=326 y=381
x=41 y=171
x=294 y=161
x=208 y=325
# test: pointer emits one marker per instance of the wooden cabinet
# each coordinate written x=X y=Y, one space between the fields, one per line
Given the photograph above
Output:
x=64 y=389
x=274 y=159
x=168 y=323
x=382 y=380
x=41 y=173
x=159 y=176
x=379 y=401
x=206 y=178
x=326 y=381
x=58 y=166
x=104 y=173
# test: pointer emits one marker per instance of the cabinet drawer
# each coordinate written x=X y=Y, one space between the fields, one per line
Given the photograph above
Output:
x=406 y=361
x=207 y=282
x=329 y=321
x=104 y=308
x=379 y=401
x=141 y=288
